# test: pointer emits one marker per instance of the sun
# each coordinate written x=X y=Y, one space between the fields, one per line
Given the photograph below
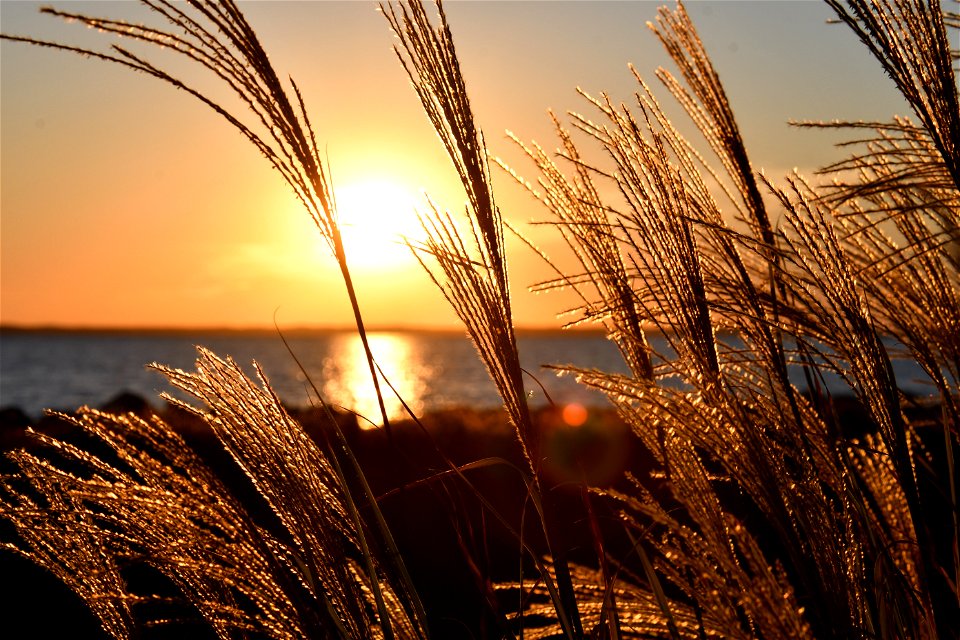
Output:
x=375 y=216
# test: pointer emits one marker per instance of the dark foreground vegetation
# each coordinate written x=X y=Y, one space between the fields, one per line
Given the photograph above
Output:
x=714 y=500
x=427 y=533
x=403 y=474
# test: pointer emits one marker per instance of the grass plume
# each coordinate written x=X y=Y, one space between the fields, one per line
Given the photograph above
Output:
x=761 y=514
x=147 y=500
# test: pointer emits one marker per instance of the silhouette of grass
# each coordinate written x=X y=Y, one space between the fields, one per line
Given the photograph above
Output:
x=757 y=512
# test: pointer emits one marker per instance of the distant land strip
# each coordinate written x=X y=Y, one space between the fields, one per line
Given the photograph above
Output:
x=264 y=331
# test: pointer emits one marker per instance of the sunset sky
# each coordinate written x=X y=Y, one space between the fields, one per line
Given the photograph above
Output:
x=127 y=203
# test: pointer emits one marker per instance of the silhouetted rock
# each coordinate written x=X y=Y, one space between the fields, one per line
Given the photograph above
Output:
x=13 y=427
x=14 y=418
x=128 y=402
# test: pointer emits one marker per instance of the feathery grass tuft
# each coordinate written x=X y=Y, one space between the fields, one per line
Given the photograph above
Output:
x=761 y=515
x=147 y=500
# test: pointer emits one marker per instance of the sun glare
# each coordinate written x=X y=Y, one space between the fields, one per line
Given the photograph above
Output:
x=347 y=376
x=375 y=217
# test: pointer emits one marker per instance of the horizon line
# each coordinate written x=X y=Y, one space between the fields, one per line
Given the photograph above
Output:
x=264 y=329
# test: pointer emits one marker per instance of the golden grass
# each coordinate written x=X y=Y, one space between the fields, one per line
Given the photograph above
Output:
x=761 y=515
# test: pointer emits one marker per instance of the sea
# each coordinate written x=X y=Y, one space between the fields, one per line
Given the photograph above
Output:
x=62 y=370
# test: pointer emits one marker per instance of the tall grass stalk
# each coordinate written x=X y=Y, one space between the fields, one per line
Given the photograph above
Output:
x=762 y=514
x=217 y=37
x=474 y=279
x=148 y=499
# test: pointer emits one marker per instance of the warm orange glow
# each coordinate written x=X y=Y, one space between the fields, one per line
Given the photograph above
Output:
x=148 y=209
x=574 y=414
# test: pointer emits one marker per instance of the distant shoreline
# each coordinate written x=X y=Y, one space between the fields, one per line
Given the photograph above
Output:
x=271 y=331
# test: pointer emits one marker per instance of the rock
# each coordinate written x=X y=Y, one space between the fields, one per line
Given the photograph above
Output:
x=13 y=418
x=128 y=402
x=13 y=427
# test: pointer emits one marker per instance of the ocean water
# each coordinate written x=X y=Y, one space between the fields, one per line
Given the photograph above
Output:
x=63 y=370
x=429 y=370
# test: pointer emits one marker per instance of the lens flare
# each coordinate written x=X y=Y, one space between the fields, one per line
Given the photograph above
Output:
x=574 y=414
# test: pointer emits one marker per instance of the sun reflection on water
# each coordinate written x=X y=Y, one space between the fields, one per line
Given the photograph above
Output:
x=347 y=376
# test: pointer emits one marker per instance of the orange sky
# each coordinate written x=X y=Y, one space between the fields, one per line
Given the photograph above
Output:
x=126 y=203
